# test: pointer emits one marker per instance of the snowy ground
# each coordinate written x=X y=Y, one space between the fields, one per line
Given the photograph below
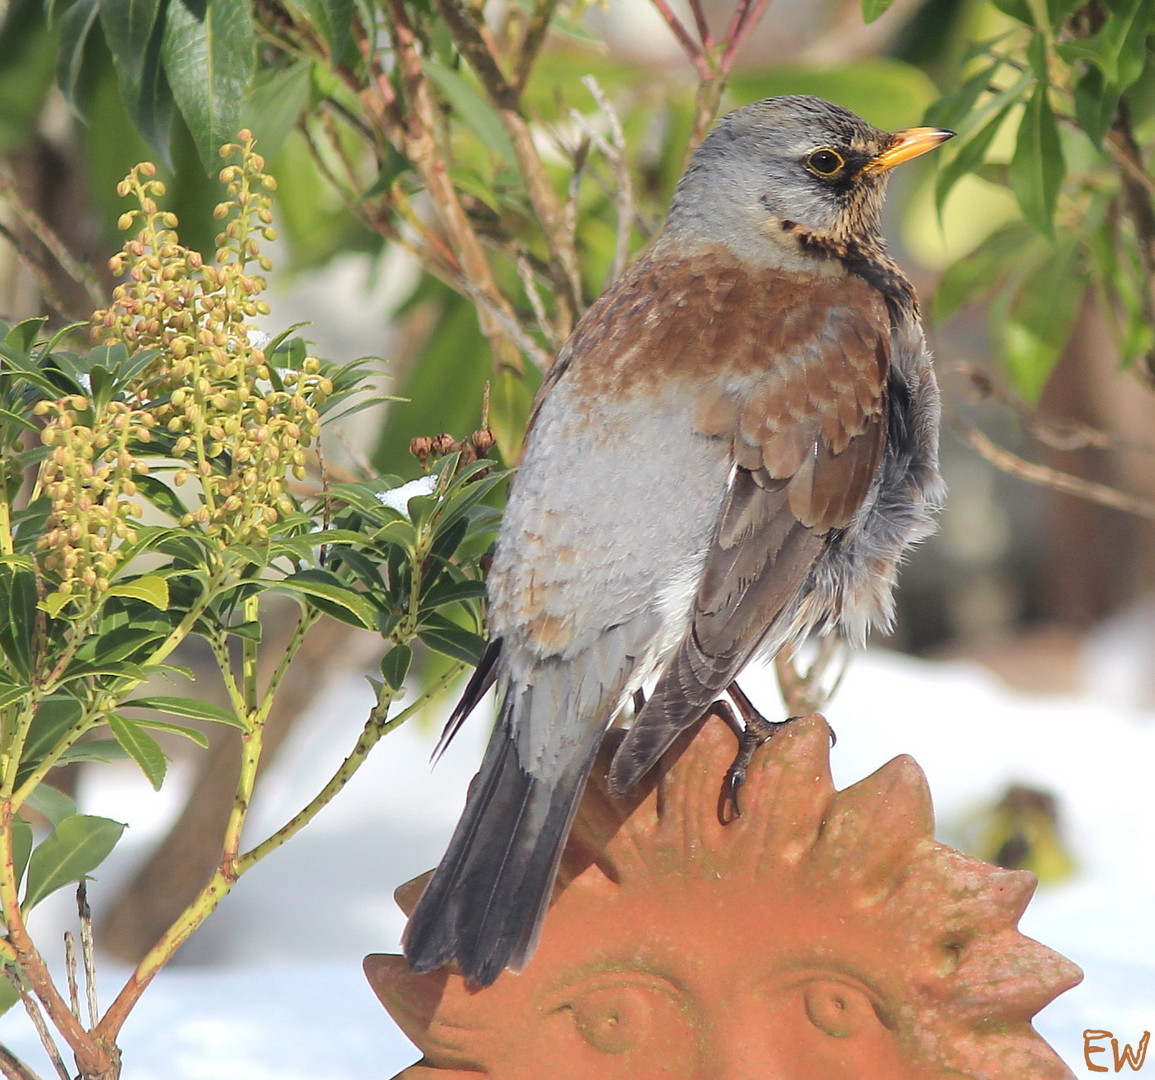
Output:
x=263 y=994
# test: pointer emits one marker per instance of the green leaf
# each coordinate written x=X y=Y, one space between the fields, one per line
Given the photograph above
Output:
x=209 y=53
x=275 y=103
x=1119 y=48
x=141 y=747
x=448 y=591
x=452 y=641
x=56 y=716
x=278 y=97
x=1016 y=9
x=395 y=665
x=872 y=9
x=981 y=271
x=963 y=161
x=1036 y=326
x=98 y=751
x=1037 y=167
x=148 y=587
x=51 y=802
x=1096 y=101
x=192 y=734
x=190 y=707
x=134 y=33
x=75 y=847
x=112 y=669
x=161 y=495
x=333 y=596
x=12 y=692
x=17 y=614
x=24 y=334
x=9 y=995
x=469 y=105
x=1126 y=33
x=333 y=20
x=75 y=26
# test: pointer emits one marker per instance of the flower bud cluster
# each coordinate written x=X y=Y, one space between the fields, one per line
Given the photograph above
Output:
x=89 y=479
x=236 y=428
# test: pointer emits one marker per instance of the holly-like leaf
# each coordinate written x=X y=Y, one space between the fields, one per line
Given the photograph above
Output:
x=209 y=53
x=76 y=846
x=1037 y=167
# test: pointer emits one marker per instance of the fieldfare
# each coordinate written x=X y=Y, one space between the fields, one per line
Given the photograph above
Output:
x=733 y=450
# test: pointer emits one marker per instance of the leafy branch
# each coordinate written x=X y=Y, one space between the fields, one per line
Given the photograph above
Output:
x=184 y=408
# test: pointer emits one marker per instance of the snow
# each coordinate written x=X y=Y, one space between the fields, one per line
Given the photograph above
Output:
x=272 y=985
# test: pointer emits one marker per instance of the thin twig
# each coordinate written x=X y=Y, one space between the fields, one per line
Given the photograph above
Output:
x=532 y=41
x=70 y=967
x=43 y=232
x=470 y=35
x=1055 y=432
x=37 y=1018
x=702 y=26
x=746 y=17
x=529 y=284
x=48 y=290
x=509 y=324
x=1054 y=479
x=1139 y=207
x=624 y=196
x=690 y=47
x=12 y=1068
x=87 y=952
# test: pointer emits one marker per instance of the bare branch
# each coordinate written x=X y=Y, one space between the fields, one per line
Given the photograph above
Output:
x=624 y=186
x=1054 y=479
x=747 y=15
x=525 y=273
x=38 y=1022
x=532 y=42
x=87 y=952
x=56 y=247
x=690 y=47
x=12 y=1068
x=470 y=36
x=702 y=26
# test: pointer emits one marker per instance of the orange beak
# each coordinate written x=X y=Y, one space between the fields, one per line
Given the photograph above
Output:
x=908 y=144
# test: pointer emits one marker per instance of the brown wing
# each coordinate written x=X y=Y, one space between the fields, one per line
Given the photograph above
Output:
x=808 y=432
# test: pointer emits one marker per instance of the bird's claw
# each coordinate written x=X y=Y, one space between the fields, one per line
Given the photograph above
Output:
x=751 y=734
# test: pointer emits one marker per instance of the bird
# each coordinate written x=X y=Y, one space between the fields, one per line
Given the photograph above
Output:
x=733 y=450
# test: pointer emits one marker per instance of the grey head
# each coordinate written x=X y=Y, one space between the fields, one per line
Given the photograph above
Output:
x=792 y=173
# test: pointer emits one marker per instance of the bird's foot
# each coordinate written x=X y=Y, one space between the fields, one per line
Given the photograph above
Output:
x=751 y=732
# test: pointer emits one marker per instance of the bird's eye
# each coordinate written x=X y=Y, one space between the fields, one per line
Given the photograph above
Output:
x=825 y=162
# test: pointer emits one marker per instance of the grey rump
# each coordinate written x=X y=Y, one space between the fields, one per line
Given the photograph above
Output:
x=733 y=450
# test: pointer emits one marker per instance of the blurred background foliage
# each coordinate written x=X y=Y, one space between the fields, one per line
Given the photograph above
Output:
x=459 y=178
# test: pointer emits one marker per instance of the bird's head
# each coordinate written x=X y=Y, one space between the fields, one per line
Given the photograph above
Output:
x=796 y=171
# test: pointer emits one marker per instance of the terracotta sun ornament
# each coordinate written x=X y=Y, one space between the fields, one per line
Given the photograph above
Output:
x=822 y=934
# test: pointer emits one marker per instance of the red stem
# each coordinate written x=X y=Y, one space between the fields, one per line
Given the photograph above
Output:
x=689 y=46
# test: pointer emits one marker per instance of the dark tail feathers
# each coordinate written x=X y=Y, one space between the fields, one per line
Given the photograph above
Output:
x=485 y=903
